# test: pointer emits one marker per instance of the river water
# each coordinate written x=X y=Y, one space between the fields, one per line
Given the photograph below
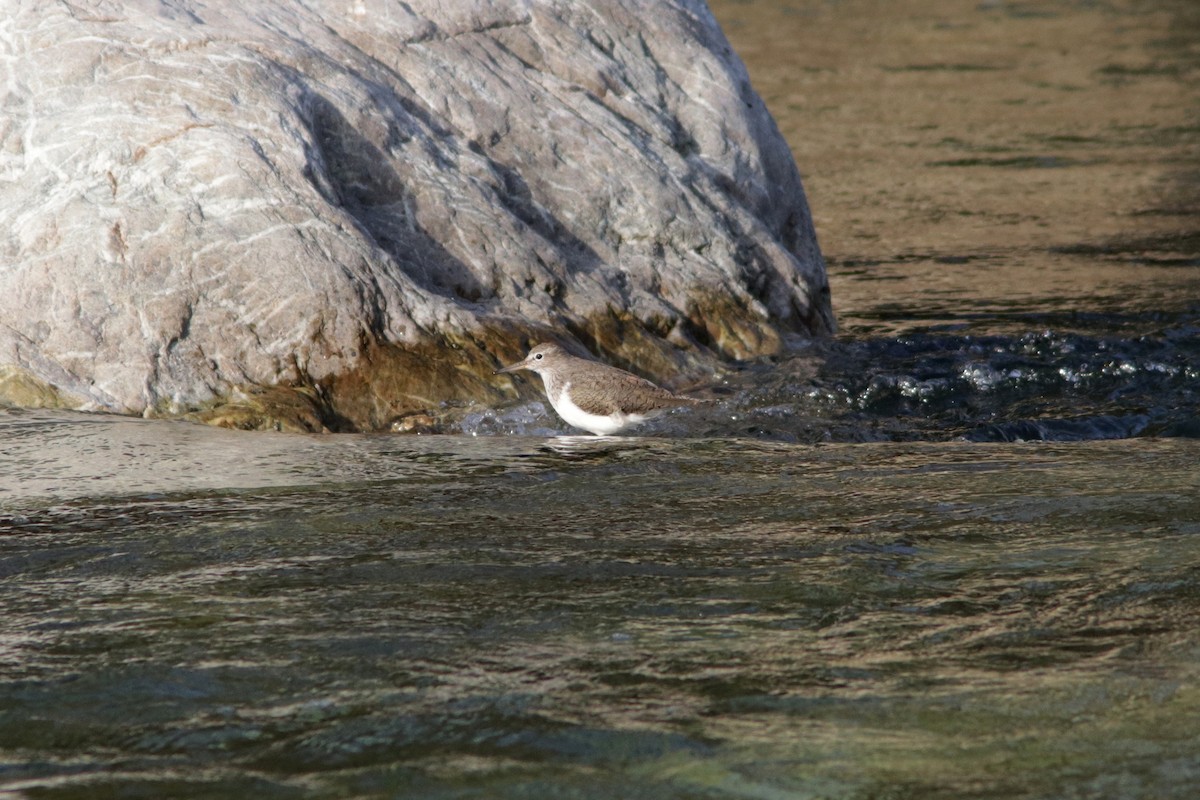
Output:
x=954 y=552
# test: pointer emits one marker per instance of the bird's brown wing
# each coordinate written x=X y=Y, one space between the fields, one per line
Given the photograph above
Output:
x=605 y=392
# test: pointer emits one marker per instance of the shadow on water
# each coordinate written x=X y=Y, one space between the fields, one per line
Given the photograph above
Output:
x=1043 y=385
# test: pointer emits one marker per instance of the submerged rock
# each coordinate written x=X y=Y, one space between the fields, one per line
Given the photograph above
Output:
x=364 y=206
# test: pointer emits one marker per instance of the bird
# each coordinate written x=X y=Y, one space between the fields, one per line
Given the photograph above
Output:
x=596 y=397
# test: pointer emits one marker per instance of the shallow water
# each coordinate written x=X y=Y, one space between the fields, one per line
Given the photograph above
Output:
x=952 y=553
x=642 y=617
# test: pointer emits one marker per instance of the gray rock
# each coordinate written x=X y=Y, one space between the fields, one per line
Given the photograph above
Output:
x=336 y=213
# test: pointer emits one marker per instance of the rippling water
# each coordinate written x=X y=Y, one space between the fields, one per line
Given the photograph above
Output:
x=952 y=553
x=648 y=617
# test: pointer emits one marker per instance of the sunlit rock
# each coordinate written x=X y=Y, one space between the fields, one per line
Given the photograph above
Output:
x=370 y=203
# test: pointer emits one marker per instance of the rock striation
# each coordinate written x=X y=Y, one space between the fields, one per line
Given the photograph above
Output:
x=324 y=215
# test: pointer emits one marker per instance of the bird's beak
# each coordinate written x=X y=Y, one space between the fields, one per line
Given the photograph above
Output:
x=513 y=367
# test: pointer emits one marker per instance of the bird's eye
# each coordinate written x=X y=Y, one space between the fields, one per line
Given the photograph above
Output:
x=538 y=357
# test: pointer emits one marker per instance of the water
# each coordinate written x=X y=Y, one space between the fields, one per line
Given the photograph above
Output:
x=952 y=553
x=650 y=617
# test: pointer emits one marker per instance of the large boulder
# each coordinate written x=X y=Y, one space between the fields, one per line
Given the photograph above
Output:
x=331 y=214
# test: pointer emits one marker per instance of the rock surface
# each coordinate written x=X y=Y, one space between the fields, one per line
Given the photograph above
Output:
x=332 y=214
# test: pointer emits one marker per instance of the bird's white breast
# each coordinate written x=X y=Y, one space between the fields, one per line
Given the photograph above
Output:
x=600 y=425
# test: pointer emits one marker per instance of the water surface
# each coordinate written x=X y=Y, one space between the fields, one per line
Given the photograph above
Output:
x=647 y=617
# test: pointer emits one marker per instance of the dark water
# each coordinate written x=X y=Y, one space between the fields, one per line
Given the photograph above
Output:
x=953 y=553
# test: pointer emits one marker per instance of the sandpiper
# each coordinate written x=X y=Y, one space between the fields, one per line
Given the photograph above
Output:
x=593 y=396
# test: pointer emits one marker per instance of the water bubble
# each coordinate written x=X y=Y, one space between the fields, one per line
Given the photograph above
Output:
x=1069 y=375
x=982 y=377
